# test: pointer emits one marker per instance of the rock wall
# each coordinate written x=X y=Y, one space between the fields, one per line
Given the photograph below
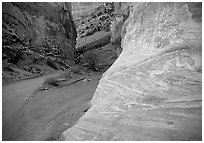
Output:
x=96 y=20
x=100 y=18
x=45 y=29
x=154 y=89
x=121 y=13
x=36 y=24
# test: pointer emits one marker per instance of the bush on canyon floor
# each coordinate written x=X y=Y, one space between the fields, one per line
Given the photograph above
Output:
x=66 y=74
x=51 y=81
x=76 y=69
x=92 y=59
x=8 y=68
x=14 y=56
x=51 y=64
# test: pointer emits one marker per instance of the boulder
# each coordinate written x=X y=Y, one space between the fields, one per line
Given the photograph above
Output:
x=154 y=89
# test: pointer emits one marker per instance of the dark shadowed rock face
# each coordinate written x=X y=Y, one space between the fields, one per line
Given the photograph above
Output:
x=37 y=21
x=45 y=28
x=154 y=89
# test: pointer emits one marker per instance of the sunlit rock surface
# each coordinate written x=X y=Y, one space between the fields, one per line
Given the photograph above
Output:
x=154 y=89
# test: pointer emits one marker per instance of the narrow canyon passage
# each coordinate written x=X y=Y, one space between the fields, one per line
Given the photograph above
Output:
x=123 y=71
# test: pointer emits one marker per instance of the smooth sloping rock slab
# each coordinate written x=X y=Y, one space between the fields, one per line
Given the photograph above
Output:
x=94 y=41
x=154 y=89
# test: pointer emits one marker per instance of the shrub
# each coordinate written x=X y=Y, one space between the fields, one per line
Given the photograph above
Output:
x=15 y=56
x=51 y=64
x=67 y=73
x=7 y=68
x=92 y=59
x=75 y=69
x=51 y=81
x=35 y=60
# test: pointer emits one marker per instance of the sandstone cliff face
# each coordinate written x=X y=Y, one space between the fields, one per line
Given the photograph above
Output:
x=154 y=89
x=92 y=20
x=100 y=28
x=35 y=21
x=96 y=20
x=43 y=28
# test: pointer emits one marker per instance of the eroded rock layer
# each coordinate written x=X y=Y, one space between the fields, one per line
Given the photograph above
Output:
x=37 y=29
x=154 y=89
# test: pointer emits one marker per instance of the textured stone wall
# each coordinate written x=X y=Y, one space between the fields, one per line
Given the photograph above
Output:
x=36 y=23
x=154 y=89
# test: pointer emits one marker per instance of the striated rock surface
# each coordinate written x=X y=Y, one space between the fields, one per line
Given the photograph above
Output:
x=95 y=41
x=89 y=20
x=95 y=20
x=154 y=89
x=99 y=27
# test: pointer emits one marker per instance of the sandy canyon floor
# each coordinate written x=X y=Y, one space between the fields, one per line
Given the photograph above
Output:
x=44 y=115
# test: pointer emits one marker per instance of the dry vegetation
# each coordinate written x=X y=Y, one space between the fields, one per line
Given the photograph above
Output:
x=51 y=81
x=92 y=59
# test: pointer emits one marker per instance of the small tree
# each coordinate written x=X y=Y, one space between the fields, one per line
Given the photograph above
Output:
x=51 y=81
x=15 y=56
x=66 y=74
x=76 y=69
x=92 y=59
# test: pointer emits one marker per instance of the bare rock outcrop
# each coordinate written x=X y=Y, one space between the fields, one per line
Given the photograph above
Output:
x=121 y=13
x=37 y=28
x=154 y=89
x=101 y=27
x=96 y=20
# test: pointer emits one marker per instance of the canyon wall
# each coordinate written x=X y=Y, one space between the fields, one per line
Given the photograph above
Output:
x=44 y=28
x=154 y=89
